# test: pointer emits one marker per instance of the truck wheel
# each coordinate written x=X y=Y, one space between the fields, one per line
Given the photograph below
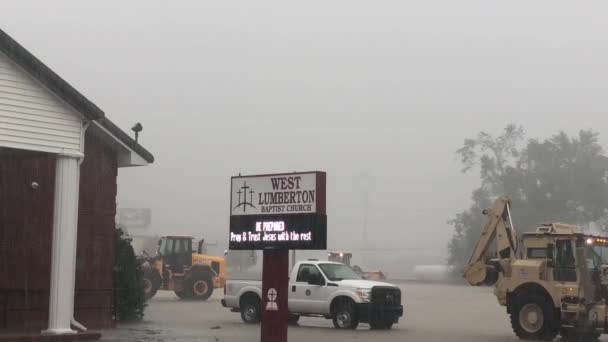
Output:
x=151 y=283
x=533 y=318
x=250 y=309
x=293 y=319
x=199 y=286
x=345 y=316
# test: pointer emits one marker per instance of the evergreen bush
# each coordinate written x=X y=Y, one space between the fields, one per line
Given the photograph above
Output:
x=129 y=298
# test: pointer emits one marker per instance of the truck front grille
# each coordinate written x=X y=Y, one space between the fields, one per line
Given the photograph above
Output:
x=570 y=300
x=386 y=295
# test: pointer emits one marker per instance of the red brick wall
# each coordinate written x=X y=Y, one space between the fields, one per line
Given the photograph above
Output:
x=95 y=251
x=25 y=233
x=26 y=219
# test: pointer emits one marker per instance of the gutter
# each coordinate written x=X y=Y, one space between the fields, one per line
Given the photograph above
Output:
x=86 y=125
x=82 y=140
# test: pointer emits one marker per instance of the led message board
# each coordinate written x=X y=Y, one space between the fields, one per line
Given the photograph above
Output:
x=278 y=211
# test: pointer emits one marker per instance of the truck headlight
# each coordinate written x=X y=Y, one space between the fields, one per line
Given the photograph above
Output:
x=364 y=294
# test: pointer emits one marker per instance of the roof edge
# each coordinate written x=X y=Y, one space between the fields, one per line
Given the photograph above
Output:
x=126 y=139
x=33 y=66
x=58 y=86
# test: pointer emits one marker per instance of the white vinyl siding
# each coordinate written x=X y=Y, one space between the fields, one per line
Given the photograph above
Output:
x=31 y=117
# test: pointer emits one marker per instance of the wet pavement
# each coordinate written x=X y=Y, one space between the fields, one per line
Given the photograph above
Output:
x=433 y=313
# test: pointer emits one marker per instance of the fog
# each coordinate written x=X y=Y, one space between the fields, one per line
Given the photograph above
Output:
x=379 y=94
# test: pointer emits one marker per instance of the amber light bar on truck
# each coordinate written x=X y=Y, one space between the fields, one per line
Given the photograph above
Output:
x=596 y=240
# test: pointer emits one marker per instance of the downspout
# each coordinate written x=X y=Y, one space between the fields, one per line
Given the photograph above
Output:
x=82 y=139
x=85 y=126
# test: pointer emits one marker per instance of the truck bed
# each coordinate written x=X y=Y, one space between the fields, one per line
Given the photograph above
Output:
x=236 y=287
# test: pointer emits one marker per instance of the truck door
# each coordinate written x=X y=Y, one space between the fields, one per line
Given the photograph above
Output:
x=565 y=265
x=305 y=297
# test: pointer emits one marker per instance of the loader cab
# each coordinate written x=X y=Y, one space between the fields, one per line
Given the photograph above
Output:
x=176 y=253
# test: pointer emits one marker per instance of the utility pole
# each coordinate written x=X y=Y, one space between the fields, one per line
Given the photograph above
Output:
x=365 y=203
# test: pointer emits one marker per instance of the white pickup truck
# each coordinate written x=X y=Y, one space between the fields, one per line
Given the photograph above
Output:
x=323 y=289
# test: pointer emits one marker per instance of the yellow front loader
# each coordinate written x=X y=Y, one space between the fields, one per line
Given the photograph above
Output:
x=176 y=268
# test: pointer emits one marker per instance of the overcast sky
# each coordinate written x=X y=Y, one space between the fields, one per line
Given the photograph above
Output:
x=377 y=93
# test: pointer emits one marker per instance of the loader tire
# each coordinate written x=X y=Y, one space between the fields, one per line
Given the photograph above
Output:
x=182 y=295
x=199 y=286
x=533 y=318
x=151 y=283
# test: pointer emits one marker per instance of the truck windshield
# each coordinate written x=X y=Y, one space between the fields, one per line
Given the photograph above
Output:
x=337 y=272
x=597 y=255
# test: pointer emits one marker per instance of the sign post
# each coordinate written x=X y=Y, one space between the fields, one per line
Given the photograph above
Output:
x=277 y=213
x=275 y=284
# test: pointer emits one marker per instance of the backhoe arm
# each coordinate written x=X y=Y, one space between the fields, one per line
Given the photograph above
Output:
x=477 y=272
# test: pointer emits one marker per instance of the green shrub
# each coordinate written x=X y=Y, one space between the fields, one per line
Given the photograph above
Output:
x=129 y=298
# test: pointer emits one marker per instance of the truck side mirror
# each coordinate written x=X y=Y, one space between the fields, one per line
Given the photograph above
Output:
x=550 y=262
x=550 y=248
x=316 y=279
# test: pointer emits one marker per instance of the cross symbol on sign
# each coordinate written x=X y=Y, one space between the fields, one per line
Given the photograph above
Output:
x=272 y=300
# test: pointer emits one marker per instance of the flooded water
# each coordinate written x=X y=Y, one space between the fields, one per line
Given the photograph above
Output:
x=432 y=313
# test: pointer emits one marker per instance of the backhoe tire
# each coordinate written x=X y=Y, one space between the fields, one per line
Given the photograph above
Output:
x=533 y=318
x=344 y=315
x=198 y=286
x=251 y=311
x=151 y=283
x=572 y=335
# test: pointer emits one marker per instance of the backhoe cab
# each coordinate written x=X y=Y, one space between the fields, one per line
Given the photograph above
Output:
x=553 y=280
x=176 y=268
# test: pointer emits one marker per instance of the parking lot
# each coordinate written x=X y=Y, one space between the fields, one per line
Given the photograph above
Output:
x=432 y=313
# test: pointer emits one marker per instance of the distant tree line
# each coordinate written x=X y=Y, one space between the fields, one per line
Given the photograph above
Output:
x=562 y=178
